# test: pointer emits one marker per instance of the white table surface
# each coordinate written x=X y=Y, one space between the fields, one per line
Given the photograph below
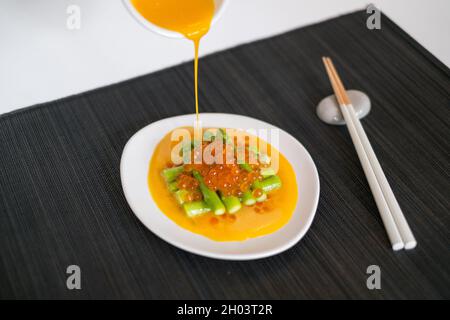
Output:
x=42 y=60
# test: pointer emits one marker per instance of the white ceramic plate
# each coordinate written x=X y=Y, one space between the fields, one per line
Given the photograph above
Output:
x=134 y=169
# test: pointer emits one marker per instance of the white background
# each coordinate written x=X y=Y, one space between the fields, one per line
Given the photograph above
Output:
x=41 y=60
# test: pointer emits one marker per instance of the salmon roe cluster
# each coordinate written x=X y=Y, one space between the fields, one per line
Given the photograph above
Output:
x=229 y=179
x=187 y=182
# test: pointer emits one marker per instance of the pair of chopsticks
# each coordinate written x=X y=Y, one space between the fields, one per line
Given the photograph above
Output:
x=394 y=221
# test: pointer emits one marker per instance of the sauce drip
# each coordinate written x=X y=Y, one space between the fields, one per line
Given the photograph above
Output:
x=190 y=18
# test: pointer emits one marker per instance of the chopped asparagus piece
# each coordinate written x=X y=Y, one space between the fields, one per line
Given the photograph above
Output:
x=262 y=197
x=268 y=184
x=181 y=195
x=246 y=167
x=170 y=174
x=212 y=134
x=232 y=204
x=226 y=138
x=172 y=186
x=208 y=135
x=262 y=157
x=188 y=146
x=248 y=199
x=195 y=208
x=267 y=172
x=211 y=198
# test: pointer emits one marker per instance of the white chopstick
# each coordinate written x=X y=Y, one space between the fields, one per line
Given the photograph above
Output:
x=396 y=212
x=394 y=221
x=386 y=216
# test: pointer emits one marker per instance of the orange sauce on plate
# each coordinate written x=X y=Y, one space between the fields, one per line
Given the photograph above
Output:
x=249 y=222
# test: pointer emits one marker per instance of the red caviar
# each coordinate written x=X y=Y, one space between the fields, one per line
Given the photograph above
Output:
x=187 y=182
x=227 y=178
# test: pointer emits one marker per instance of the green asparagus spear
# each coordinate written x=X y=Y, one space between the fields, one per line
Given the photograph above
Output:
x=195 y=208
x=170 y=174
x=232 y=204
x=172 y=186
x=248 y=199
x=181 y=195
x=211 y=198
x=262 y=157
x=267 y=172
x=212 y=134
x=268 y=184
x=226 y=138
x=246 y=167
x=208 y=135
x=262 y=197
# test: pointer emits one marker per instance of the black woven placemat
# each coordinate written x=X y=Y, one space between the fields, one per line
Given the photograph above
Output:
x=61 y=201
